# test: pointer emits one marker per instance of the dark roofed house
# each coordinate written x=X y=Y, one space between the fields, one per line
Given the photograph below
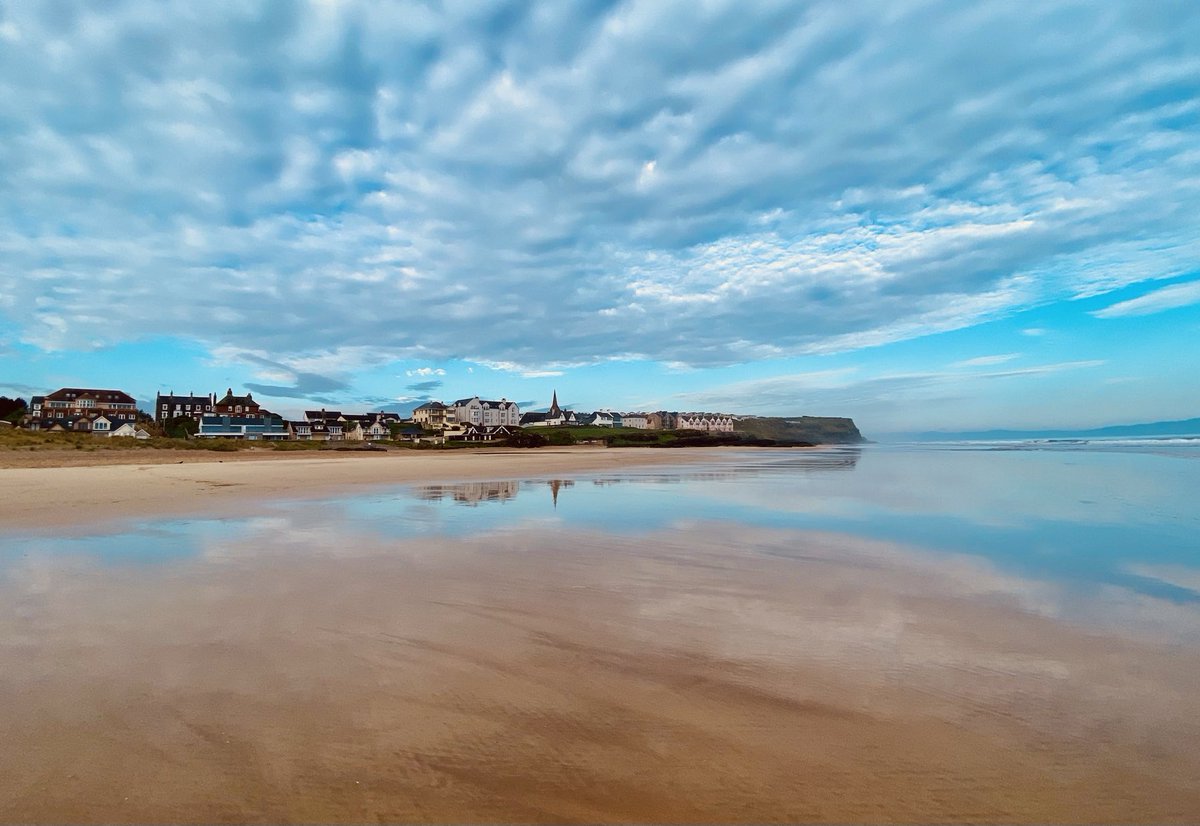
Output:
x=231 y=405
x=169 y=406
x=554 y=417
x=74 y=408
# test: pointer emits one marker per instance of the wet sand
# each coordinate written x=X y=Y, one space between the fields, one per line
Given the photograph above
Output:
x=697 y=675
x=64 y=493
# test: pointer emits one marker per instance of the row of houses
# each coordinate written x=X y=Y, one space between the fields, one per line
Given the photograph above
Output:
x=114 y=412
x=660 y=420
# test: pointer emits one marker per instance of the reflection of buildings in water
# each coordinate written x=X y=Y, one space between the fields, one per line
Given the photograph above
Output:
x=803 y=461
x=471 y=493
x=556 y=485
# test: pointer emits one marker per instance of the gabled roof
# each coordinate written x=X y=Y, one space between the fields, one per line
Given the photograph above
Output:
x=435 y=405
x=230 y=399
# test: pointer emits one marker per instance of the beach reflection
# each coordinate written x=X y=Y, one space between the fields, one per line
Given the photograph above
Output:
x=843 y=635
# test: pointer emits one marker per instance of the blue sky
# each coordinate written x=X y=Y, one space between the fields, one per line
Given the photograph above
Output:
x=922 y=215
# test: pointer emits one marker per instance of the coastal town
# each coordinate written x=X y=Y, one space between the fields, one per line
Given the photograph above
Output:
x=115 y=414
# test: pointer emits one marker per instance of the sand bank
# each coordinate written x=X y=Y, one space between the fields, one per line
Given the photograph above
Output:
x=33 y=497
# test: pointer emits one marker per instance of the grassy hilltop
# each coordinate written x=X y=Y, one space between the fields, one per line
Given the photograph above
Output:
x=817 y=430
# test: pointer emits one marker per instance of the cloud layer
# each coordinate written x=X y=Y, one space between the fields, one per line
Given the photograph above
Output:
x=561 y=183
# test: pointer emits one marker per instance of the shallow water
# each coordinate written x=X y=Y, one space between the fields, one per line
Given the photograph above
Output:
x=953 y=632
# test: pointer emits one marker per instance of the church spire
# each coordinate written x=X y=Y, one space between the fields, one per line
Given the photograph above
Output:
x=554 y=408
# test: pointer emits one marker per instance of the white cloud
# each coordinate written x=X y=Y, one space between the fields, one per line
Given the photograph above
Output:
x=986 y=361
x=1155 y=301
x=425 y=371
x=559 y=184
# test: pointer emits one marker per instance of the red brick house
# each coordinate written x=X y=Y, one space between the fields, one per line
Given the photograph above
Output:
x=76 y=408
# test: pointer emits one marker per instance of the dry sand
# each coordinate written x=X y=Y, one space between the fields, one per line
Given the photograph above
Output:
x=298 y=672
x=72 y=489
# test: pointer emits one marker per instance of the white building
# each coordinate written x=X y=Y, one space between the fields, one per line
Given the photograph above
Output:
x=637 y=420
x=486 y=413
x=716 y=422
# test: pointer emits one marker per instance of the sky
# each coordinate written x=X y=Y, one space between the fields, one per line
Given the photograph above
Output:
x=923 y=215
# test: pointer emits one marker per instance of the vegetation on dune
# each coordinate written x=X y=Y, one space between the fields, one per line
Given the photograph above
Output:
x=18 y=439
x=12 y=410
x=758 y=432
x=181 y=427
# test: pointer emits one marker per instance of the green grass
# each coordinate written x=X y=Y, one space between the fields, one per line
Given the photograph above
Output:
x=18 y=439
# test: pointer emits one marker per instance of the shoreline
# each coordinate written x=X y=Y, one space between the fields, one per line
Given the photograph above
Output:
x=65 y=495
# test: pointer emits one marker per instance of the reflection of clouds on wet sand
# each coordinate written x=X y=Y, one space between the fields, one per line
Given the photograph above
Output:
x=989 y=489
x=513 y=670
x=1177 y=575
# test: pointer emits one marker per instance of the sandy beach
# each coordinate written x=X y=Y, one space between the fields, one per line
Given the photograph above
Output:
x=59 y=488
x=305 y=665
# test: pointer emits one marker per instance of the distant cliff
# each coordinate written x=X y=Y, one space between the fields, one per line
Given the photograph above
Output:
x=818 y=430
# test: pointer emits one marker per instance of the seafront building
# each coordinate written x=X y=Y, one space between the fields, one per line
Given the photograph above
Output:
x=170 y=406
x=431 y=415
x=269 y=427
x=233 y=416
x=486 y=412
x=712 y=422
x=78 y=409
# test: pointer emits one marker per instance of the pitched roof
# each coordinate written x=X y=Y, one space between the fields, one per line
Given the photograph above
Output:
x=246 y=400
x=111 y=396
x=164 y=398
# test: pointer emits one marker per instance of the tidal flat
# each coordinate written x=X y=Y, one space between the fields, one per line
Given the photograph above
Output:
x=878 y=634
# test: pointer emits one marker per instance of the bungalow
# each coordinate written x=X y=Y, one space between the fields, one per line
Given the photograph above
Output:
x=300 y=431
x=479 y=433
x=605 y=418
x=129 y=430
